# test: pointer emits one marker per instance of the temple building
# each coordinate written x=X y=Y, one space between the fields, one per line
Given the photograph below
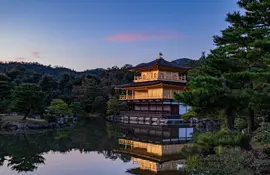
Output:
x=151 y=94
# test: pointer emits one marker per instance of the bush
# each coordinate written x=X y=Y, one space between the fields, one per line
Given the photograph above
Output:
x=59 y=107
x=240 y=124
x=50 y=116
x=210 y=140
x=230 y=162
x=266 y=150
x=192 y=162
x=188 y=150
x=263 y=133
x=76 y=109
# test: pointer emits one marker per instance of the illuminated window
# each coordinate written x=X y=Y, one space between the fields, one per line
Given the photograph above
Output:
x=144 y=76
x=161 y=75
x=155 y=75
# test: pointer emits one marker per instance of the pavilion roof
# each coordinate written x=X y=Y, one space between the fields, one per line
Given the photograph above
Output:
x=149 y=83
x=159 y=62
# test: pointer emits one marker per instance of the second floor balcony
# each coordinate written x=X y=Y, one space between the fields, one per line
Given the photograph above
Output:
x=146 y=96
x=179 y=78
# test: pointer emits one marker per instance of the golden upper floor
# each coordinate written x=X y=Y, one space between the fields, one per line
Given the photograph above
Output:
x=161 y=75
x=160 y=69
x=158 y=79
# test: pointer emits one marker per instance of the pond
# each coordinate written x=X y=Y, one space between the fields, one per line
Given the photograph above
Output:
x=93 y=147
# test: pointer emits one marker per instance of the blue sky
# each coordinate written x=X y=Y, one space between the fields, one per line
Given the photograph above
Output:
x=85 y=34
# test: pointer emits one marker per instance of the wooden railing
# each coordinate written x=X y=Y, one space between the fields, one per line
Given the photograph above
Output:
x=144 y=113
x=142 y=97
x=167 y=78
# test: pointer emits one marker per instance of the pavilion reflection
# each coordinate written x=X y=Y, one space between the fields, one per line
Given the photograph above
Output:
x=156 y=149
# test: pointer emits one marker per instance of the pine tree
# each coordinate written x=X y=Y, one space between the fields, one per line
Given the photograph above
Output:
x=5 y=92
x=28 y=98
x=235 y=76
x=208 y=90
x=247 y=38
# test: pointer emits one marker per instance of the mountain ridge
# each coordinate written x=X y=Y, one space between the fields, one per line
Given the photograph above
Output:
x=57 y=70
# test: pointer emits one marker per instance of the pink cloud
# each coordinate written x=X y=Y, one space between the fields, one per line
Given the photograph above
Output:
x=36 y=54
x=124 y=37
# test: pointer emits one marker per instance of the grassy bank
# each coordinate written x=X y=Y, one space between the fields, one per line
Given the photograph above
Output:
x=18 y=118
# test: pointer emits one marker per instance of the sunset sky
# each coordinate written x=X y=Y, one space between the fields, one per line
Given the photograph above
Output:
x=85 y=34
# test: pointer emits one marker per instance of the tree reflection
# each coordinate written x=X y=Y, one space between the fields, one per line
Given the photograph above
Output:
x=26 y=162
x=24 y=152
x=2 y=159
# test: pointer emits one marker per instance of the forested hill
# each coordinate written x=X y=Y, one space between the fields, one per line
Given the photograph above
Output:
x=186 y=62
x=43 y=69
x=57 y=71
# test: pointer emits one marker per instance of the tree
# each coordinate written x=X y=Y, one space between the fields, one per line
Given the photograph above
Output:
x=208 y=91
x=49 y=86
x=90 y=90
x=5 y=86
x=28 y=98
x=114 y=106
x=59 y=107
x=234 y=77
x=76 y=108
x=5 y=92
x=248 y=39
x=99 y=105
x=65 y=84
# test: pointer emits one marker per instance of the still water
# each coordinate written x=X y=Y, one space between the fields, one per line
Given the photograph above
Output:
x=90 y=148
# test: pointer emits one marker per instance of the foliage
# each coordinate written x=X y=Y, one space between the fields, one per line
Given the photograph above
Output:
x=240 y=124
x=59 y=107
x=5 y=92
x=230 y=162
x=77 y=109
x=192 y=162
x=114 y=106
x=191 y=150
x=49 y=86
x=98 y=104
x=234 y=77
x=28 y=98
x=51 y=116
x=263 y=133
x=4 y=105
x=189 y=114
x=222 y=138
x=91 y=87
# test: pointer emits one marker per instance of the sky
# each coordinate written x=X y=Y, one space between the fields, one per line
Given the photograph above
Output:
x=86 y=34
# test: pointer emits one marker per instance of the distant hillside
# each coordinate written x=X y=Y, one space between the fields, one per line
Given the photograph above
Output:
x=42 y=69
x=57 y=71
x=186 y=62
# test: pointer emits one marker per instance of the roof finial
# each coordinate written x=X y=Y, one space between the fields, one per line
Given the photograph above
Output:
x=160 y=55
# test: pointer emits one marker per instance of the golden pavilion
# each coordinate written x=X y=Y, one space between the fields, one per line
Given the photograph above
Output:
x=151 y=94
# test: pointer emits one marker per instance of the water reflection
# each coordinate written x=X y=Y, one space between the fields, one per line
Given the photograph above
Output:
x=94 y=147
x=156 y=149
x=24 y=152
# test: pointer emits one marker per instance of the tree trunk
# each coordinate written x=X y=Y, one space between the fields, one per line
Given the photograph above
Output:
x=250 y=120
x=26 y=114
x=230 y=118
